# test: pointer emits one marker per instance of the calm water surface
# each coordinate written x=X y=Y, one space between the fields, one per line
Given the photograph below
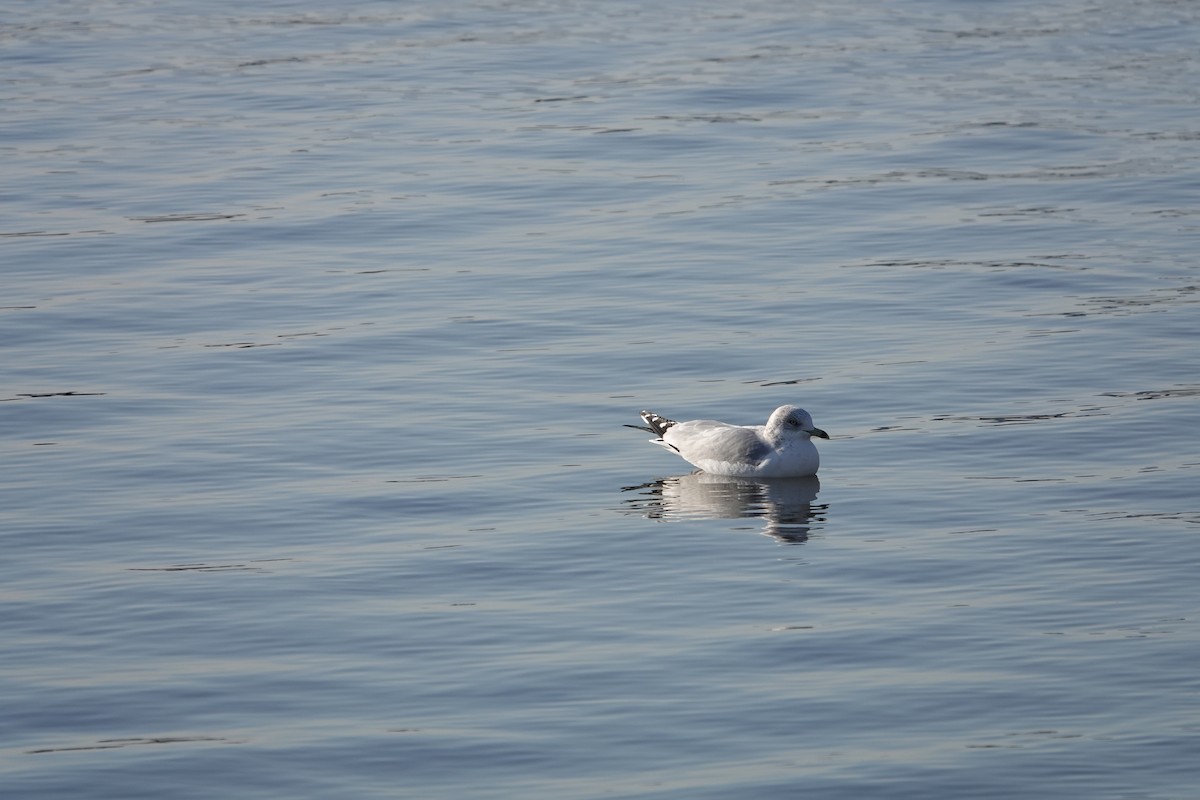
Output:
x=320 y=326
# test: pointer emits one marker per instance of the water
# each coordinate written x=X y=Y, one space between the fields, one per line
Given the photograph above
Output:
x=320 y=326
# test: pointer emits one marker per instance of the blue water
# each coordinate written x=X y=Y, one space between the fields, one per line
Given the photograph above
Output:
x=320 y=326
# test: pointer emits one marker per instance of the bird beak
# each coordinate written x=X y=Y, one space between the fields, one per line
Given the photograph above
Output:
x=820 y=434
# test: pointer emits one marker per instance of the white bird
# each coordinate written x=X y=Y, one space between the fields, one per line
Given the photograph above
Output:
x=782 y=448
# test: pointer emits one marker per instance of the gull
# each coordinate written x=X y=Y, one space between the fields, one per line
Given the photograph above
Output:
x=782 y=448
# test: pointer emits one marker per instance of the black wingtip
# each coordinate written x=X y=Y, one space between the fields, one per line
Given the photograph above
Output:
x=658 y=424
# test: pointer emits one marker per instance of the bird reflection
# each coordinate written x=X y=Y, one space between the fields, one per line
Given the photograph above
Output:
x=786 y=504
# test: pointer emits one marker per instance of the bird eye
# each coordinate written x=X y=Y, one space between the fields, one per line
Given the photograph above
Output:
x=795 y=423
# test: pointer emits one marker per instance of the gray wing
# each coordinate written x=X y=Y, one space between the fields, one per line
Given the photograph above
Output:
x=719 y=441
